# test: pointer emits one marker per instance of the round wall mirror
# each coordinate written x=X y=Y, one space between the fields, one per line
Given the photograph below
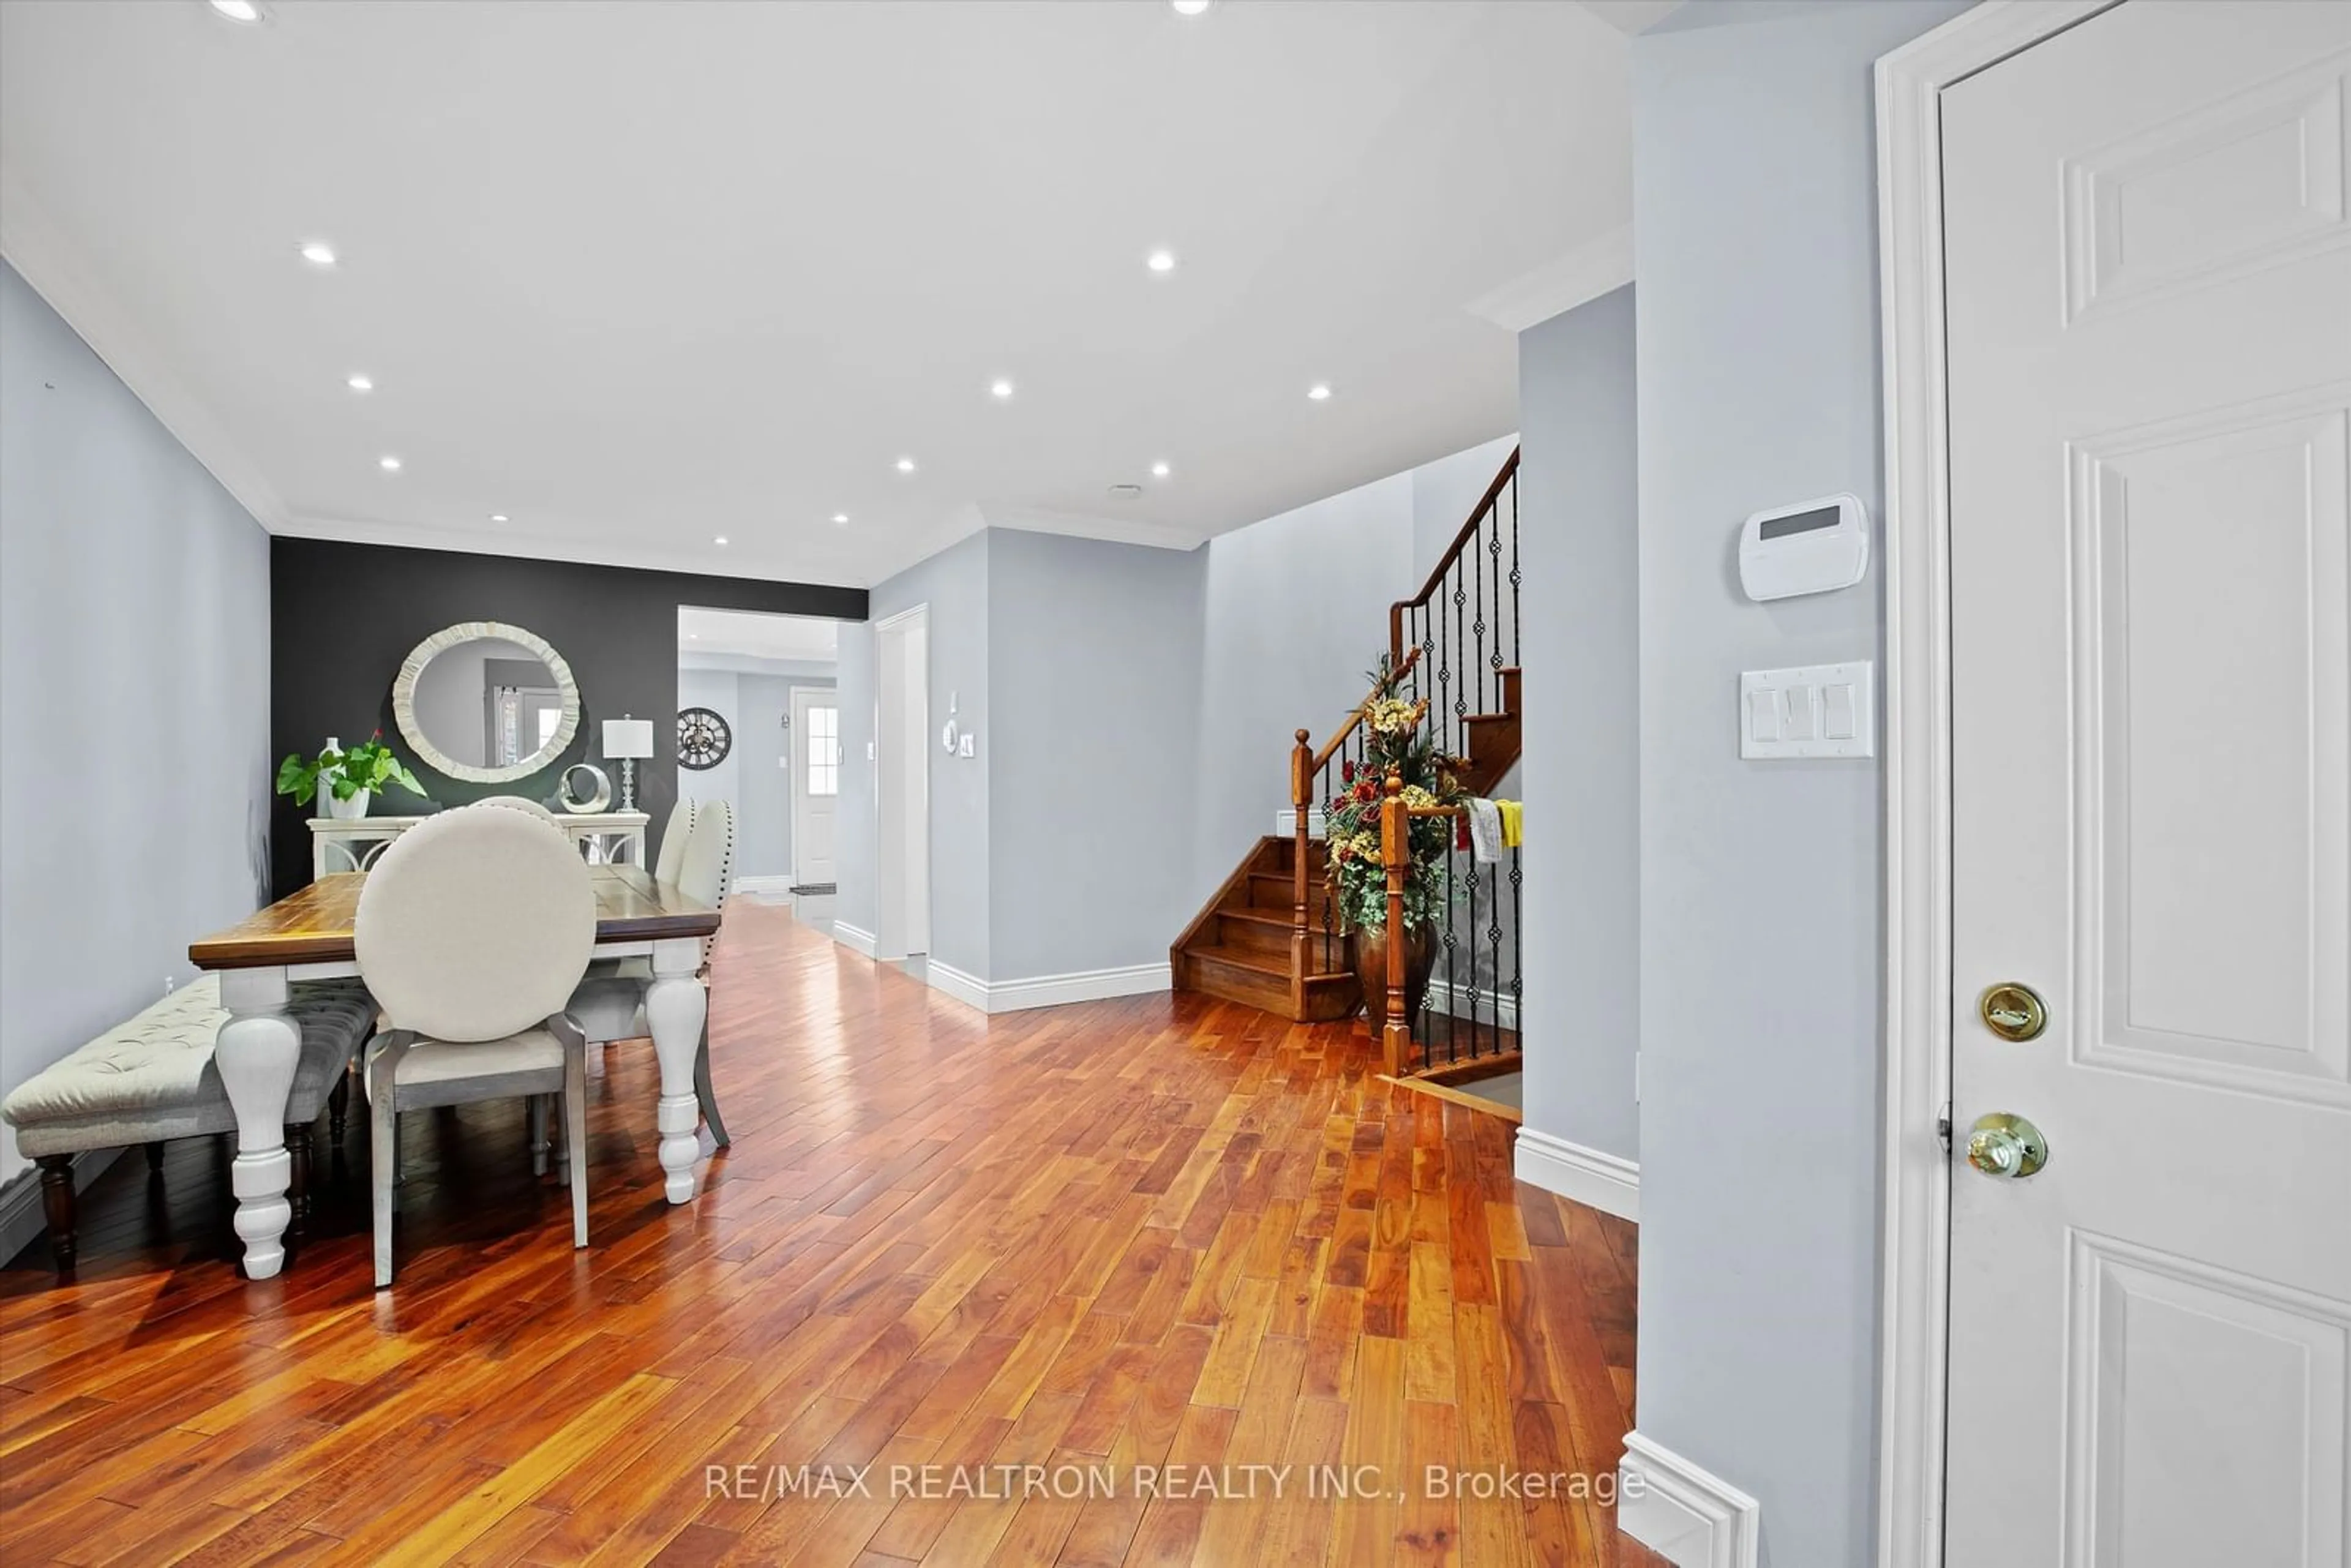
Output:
x=485 y=702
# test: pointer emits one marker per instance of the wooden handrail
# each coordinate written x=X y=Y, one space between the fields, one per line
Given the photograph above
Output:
x=1452 y=554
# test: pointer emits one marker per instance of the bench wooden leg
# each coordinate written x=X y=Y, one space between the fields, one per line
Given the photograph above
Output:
x=297 y=1189
x=58 y=1206
x=155 y=1159
x=339 y=1109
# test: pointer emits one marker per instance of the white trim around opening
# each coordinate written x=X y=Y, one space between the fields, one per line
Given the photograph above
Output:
x=1917 y=1226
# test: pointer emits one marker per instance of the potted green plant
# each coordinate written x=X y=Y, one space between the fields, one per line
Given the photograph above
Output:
x=1394 y=742
x=345 y=779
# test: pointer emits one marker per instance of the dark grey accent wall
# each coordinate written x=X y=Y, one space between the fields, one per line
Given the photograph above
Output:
x=343 y=616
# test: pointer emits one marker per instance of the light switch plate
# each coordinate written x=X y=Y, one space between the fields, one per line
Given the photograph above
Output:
x=1815 y=702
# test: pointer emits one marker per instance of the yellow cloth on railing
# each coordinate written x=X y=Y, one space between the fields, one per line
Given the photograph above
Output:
x=1513 y=813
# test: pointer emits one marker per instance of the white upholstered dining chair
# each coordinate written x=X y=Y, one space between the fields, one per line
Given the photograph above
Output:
x=471 y=934
x=518 y=803
x=670 y=857
x=611 y=1004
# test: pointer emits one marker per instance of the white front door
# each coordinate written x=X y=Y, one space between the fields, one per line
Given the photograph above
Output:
x=816 y=782
x=2148 y=270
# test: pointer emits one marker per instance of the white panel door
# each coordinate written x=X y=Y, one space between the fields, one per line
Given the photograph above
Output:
x=816 y=782
x=2149 y=348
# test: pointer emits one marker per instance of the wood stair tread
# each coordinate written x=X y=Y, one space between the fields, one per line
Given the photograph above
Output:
x=1274 y=965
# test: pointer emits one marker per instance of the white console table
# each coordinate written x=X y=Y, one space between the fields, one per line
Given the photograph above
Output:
x=338 y=843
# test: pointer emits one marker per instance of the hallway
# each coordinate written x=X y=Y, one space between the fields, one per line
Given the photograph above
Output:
x=1162 y=1231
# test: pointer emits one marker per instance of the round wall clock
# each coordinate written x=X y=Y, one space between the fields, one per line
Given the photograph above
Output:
x=702 y=738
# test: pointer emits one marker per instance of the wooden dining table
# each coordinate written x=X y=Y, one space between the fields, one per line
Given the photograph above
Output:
x=307 y=935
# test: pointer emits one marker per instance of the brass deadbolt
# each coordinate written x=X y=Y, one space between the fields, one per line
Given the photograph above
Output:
x=2012 y=1011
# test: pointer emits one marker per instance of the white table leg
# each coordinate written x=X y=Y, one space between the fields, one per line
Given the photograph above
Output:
x=675 y=1004
x=257 y=1052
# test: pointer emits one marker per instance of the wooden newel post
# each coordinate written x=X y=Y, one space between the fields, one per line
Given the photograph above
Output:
x=1301 y=801
x=1396 y=854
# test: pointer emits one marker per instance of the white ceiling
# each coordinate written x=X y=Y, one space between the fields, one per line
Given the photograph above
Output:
x=640 y=275
x=803 y=639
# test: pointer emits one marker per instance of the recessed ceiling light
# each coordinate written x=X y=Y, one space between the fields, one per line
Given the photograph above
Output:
x=906 y=465
x=1126 y=491
x=238 y=10
x=1159 y=470
x=1191 y=7
x=1319 y=392
x=360 y=383
x=497 y=516
x=318 y=253
x=389 y=465
x=999 y=388
x=840 y=516
x=719 y=540
x=1160 y=261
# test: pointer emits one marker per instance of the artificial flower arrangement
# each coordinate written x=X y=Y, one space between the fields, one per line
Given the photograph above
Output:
x=1393 y=741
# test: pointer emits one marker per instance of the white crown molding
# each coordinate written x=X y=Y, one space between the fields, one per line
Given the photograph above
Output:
x=854 y=939
x=1632 y=17
x=726 y=663
x=59 y=273
x=1602 y=1181
x=406 y=536
x=1561 y=282
x=1689 y=1516
x=1109 y=530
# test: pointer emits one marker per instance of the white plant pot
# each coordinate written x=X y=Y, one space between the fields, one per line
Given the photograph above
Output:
x=347 y=810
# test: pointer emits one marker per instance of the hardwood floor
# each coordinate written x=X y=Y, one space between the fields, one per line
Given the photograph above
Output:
x=1158 y=1232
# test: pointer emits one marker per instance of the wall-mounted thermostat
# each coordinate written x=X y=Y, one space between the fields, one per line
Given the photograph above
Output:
x=1812 y=547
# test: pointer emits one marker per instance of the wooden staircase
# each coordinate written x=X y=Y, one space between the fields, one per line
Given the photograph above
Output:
x=1267 y=938
x=1245 y=947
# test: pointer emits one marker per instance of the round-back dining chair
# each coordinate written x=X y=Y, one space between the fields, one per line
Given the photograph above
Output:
x=471 y=934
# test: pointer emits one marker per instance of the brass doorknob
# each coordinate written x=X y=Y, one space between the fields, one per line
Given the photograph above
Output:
x=2004 y=1145
x=2012 y=1011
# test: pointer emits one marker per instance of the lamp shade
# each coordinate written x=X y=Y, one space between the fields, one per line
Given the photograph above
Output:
x=625 y=737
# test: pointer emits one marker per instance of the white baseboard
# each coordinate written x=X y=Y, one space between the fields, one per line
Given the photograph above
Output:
x=766 y=886
x=1690 y=1517
x=1048 y=990
x=21 y=1216
x=1467 y=1002
x=1605 y=1182
x=854 y=939
x=968 y=989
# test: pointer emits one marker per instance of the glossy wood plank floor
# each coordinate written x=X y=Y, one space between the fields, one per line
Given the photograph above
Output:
x=1164 y=1231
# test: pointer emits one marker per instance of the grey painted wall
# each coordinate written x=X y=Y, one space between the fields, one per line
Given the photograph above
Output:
x=1578 y=542
x=1755 y=220
x=715 y=689
x=134 y=626
x=1297 y=609
x=753 y=778
x=954 y=584
x=1094 y=661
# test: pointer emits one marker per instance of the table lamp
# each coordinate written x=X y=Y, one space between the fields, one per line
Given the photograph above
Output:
x=625 y=740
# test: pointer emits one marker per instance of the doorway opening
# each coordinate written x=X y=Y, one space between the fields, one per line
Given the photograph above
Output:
x=757 y=697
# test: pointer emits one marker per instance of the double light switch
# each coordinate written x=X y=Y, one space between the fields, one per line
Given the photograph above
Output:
x=1816 y=710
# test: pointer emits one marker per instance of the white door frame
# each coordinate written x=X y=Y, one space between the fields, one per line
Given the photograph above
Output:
x=1917 y=778
x=797 y=764
x=902 y=806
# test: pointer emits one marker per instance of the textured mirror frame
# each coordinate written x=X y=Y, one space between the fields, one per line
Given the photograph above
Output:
x=403 y=701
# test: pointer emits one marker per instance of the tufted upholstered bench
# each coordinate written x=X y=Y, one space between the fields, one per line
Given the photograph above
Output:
x=153 y=1078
